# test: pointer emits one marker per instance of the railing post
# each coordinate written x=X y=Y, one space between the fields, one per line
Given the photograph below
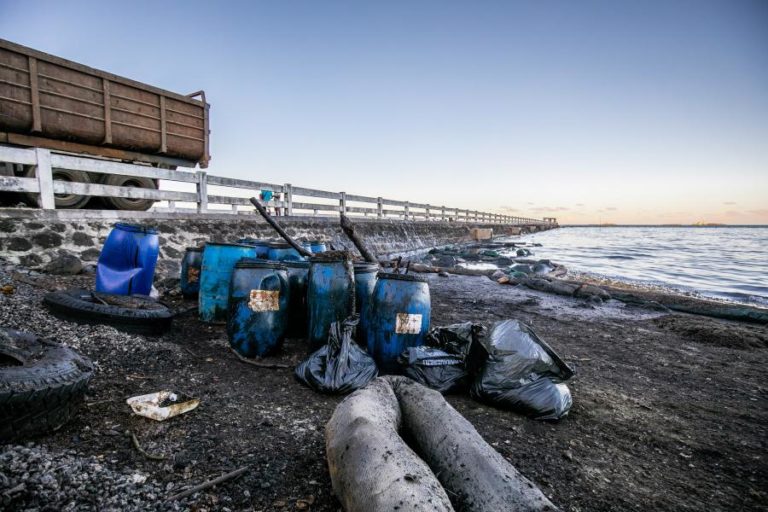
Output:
x=442 y=213
x=45 y=179
x=202 y=192
x=426 y=213
x=343 y=203
x=288 y=196
x=171 y=206
x=379 y=207
x=407 y=211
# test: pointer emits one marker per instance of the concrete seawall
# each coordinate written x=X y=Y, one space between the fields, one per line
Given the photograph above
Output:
x=34 y=237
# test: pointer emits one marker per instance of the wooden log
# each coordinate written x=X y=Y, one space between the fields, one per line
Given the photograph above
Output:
x=349 y=230
x=475 y=474
x=372 y=469
x=280 y=231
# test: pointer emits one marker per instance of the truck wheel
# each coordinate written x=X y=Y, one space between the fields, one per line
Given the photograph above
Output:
x=41 y=384
x=72 y=201
x=124 y=203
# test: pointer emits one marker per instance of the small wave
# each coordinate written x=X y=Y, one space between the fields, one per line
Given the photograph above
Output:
x=619 y=257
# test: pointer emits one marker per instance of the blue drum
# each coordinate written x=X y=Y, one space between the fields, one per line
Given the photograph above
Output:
x=218 y=263
x=262 y=246
x=317 y=246
x=399 y=317
x=258 y=307
x=282 y=251
x=365 y=281
x=298 y=272
x=190 y=272
x=330 y=296
x=127 y=261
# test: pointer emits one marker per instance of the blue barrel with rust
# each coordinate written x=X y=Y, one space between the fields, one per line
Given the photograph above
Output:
x=190 y=272
x=298 y=272
x=317 y=246
x=282 y=251
x=330 y=295
x=365 y=281
x=219 y=260
x=127 y=261
x=262 y=246
x=259 y=295
x=399 y=317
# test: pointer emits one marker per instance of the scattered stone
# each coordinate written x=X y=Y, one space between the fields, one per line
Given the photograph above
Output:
x=443 y=273
x=82 y=240
x=588 y=291
x=64 y=265
x=47 y=239
x=30 y=260
x=90 y=255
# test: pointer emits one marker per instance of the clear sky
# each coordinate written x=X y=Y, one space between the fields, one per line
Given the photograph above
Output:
x=611 y=111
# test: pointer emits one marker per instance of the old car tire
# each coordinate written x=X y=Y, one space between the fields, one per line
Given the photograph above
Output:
x=131 y=313
x=71 y=201
x=41 y=384
x=124 y=203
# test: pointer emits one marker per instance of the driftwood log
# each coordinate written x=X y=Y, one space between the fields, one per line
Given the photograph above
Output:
x=476 y=475
x=371 y=467
x=280 y=230
x=349 y=230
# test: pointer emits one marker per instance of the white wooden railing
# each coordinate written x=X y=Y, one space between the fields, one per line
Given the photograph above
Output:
x=292 y=201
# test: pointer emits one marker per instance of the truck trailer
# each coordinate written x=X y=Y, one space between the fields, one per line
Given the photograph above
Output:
x=54 y=103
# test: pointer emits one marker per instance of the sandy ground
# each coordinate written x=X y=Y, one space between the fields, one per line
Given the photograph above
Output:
x=669 y=413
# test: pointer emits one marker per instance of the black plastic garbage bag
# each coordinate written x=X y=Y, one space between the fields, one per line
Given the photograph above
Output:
x=340 y=366
x=434 y=368
x=461 y=340
x=523 y=373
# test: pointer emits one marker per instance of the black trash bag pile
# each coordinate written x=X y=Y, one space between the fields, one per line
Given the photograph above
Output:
x=340 y=366
x=434 y=368
x=461 y=340
x=523 y=373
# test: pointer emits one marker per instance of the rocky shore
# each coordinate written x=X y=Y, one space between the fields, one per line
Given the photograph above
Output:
x=668 y=410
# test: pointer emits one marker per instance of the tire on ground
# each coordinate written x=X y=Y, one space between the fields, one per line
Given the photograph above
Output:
x=133 y=313
x=124 y=203
x=41 y=385
x=71 y=201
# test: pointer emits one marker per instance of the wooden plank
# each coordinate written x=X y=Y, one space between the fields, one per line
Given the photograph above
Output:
x=237 y=183
x=108 y=167
x=163 y=127
x=242 y=201
x=17 y=155
x=35 y=95
x=310 y=192
x=361 y=199
x=97 y=189
x=107 y=112
x=14 y=184
x=392 y=202
x=357 y=209
x=44 y=175
x=314 y=206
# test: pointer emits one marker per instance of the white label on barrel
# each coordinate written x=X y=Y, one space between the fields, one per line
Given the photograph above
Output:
x=408 y=324
x=264 y=300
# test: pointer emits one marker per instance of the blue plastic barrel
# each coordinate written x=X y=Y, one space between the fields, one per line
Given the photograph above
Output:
x=190 y=272
x=259 y=294
x=330 y=296
x=218 y=263
x=262 y=246
x=399 y=317
x=282 y=251
x=298 y=272
x=365 y=281
x=127 y=261
x=317 y=246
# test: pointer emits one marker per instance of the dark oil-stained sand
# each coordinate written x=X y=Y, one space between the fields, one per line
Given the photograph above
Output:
x=669 y=412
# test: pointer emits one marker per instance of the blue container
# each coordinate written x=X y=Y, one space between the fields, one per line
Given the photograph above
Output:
x=218 y=263
x=365 y=281
x=330 y=297
x=399 y=318
x=317 y=246
x=282 y=251
x=307 y=246
x=259 y=294
x=127 y=261
x=190 y=272
x=262 y=246
x=298 y=272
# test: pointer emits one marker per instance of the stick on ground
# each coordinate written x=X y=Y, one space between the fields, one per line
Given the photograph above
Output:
x=209 y=483
x=258 y=363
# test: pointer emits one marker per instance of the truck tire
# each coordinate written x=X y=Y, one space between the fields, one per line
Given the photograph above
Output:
x=124 y=203
x=130 y=313
x=41 y=385
x=69 y=201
